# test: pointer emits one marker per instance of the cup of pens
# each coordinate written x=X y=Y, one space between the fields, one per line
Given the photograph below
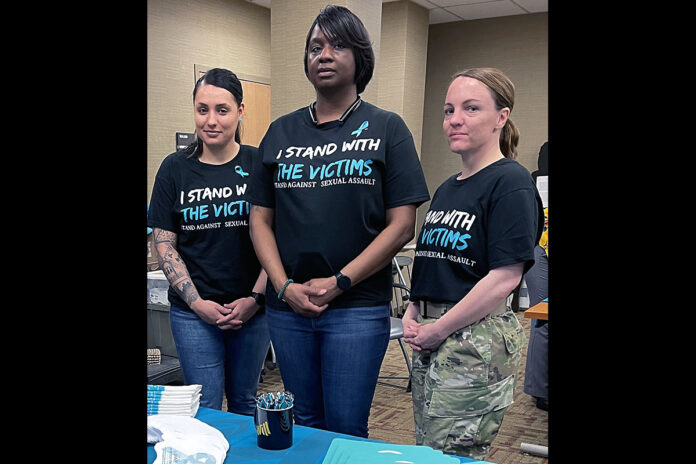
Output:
x=273 y=420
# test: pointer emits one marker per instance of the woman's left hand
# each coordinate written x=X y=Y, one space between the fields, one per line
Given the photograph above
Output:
x=428 y=339
x=328 y=283
x=243 y=309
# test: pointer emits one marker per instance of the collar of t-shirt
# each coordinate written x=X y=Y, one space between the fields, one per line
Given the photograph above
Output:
x=344 y=116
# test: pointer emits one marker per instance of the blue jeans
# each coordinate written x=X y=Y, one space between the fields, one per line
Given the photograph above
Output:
x=536 y=374
x=331 y=363
x=221 y=360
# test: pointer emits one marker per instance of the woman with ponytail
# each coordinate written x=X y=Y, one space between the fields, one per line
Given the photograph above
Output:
x=199 y=213
x=476 y=243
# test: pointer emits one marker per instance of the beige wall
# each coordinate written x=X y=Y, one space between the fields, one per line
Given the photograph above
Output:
x=400 y=69
x=237 y=34
x=290 y=22
x=518 y=45
x=233 y=34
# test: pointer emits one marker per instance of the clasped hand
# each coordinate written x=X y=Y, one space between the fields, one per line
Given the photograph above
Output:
x=311 y=298
x=228 y=316
x=243 y=309
x=420 y=337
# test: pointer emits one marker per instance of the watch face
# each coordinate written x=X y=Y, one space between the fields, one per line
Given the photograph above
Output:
x=259 y=298
x=343 y=282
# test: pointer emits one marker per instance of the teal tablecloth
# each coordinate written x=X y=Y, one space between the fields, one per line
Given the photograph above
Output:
x=309 y=445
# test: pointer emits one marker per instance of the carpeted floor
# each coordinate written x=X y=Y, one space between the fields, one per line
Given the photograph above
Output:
x=391 y=416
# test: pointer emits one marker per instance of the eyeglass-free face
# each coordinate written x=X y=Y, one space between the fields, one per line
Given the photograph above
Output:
x=471 y=121
x=330 y=63
x=216 y=115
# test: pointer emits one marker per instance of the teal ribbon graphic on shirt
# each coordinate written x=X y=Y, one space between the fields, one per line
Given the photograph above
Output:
x=240 y=171
x=359 y=130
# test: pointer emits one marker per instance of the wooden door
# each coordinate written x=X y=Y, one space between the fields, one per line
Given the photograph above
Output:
x=257 y=112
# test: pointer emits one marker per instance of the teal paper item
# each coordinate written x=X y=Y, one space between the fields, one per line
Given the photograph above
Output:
x=344 y=451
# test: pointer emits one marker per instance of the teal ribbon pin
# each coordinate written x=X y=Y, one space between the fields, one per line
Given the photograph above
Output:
x=359 y=130
x=240 y=171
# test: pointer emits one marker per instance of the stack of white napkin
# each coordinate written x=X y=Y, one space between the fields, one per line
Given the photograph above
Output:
x=181 y=439
x=179 y=400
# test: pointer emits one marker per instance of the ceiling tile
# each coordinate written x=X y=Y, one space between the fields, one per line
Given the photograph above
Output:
x=424 y=3
x=263 y=3
x=486 y=10
x=534 y=6
x=438 y=15
x=442 y=11
x=458 y=2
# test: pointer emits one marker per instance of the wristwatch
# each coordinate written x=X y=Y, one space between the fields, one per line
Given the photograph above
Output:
x=343 y=281
x=259 y=298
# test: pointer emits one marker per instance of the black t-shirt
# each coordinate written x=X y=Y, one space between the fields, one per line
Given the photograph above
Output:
x=491 y=219
x=207 y=206
x=330 y=185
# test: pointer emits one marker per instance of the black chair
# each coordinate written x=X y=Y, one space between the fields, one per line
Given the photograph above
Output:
x=399 y=301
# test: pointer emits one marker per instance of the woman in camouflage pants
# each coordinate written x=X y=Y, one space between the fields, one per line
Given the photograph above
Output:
x=476 y=242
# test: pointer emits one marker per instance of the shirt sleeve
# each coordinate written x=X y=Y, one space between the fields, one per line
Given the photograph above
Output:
x=513 y=227
x=161 y=213
x=404 y=182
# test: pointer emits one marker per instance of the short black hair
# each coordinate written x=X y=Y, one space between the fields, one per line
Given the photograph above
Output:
x=338 y=22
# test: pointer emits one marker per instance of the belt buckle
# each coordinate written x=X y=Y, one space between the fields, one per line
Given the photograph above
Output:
x=423 y=306
x=438 y=308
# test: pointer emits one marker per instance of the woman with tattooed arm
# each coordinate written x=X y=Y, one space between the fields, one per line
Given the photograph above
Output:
x=199 y=214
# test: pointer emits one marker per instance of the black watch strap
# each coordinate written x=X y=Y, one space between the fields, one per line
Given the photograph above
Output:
x=343 y=281
x=259 y=298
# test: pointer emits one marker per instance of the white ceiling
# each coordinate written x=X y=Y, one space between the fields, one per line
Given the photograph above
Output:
x=445 y=11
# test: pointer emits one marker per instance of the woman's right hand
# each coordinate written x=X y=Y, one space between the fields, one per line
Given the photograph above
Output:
x=209 y=310
x=297 y=296
x=410 y=324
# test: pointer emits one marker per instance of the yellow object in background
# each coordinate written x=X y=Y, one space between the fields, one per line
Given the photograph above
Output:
x=544 y=240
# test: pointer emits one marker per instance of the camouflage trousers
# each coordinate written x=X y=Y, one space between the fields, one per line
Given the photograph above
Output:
x=461 y=390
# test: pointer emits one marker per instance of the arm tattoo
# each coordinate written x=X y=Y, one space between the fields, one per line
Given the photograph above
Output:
x=173 y=266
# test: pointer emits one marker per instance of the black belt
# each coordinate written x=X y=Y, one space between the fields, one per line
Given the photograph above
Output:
x=437 y=310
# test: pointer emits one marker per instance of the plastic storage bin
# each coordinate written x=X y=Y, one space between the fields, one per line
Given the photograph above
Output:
x=157 y=287
x=159 y=333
